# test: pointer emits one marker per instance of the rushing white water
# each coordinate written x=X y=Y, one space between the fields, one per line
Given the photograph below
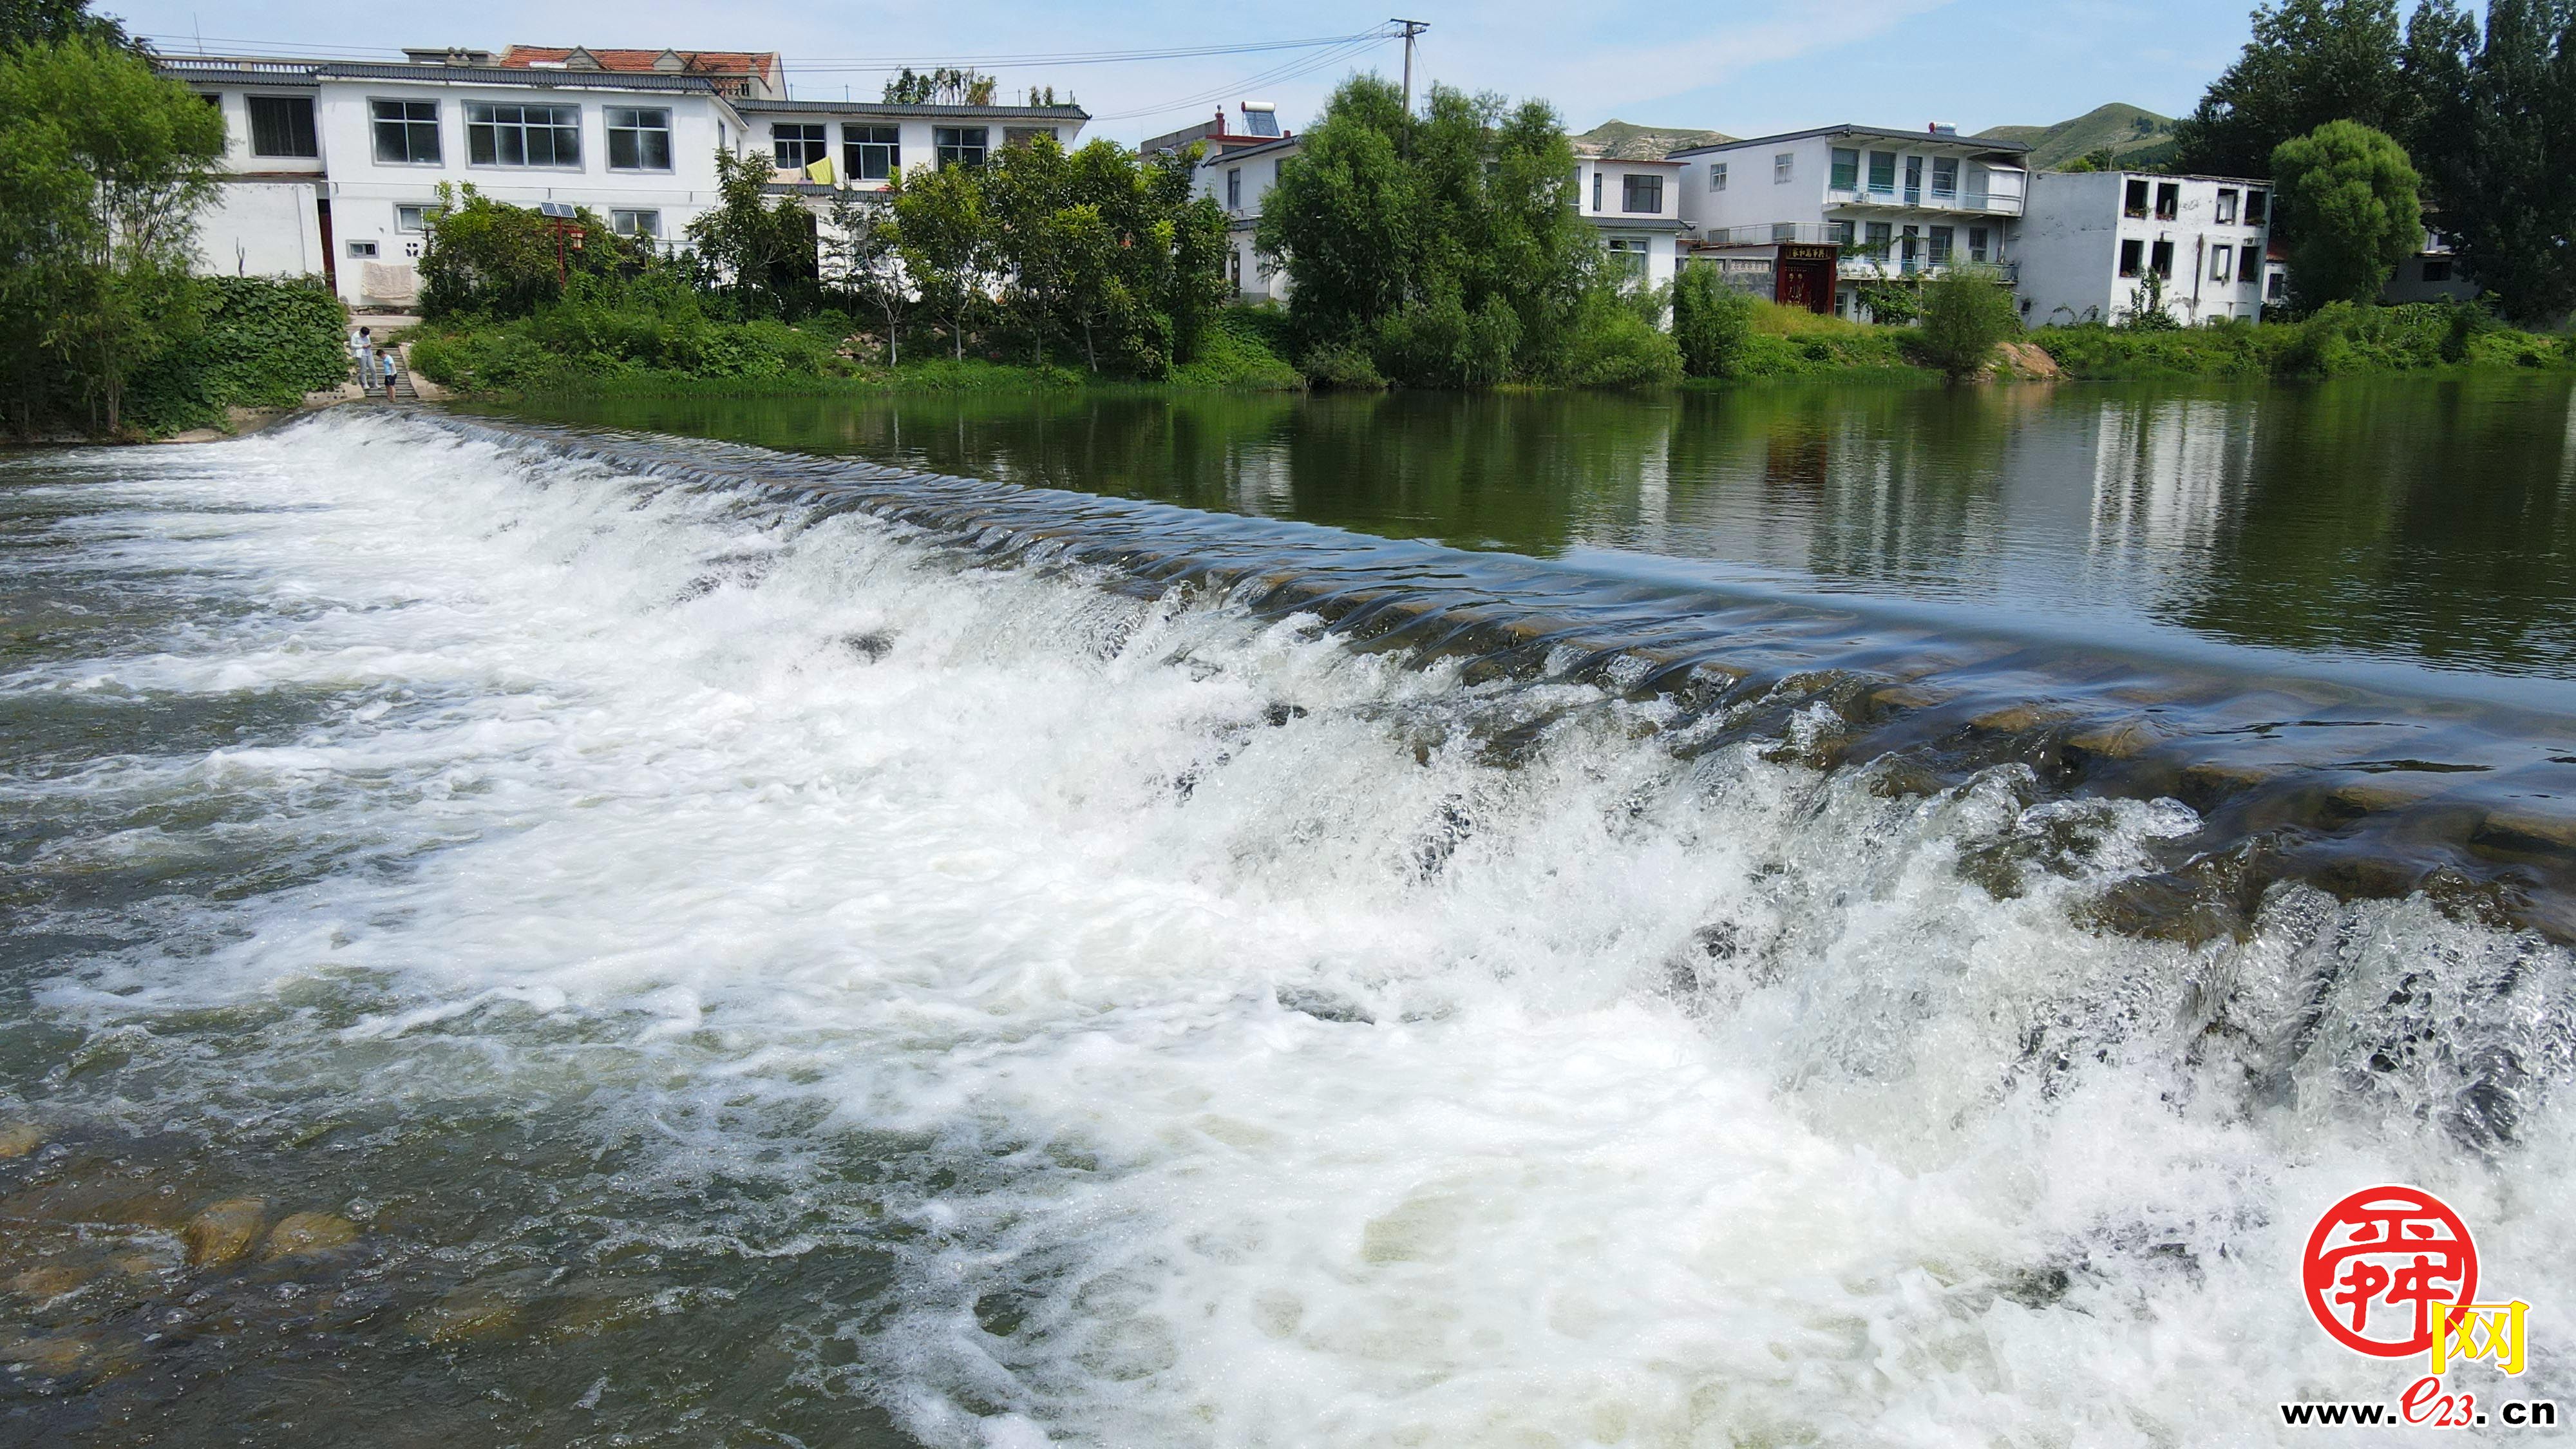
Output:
x=1334 y=1083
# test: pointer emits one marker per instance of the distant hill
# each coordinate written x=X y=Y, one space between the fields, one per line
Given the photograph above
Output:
x=1621 y=141
x=2136 y=137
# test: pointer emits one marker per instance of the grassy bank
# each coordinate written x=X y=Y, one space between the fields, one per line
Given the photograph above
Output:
x=577 y=346
x=2338 y=341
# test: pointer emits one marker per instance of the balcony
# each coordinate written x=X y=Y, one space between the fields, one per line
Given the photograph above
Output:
x=1875 y=269
x=1971 y=204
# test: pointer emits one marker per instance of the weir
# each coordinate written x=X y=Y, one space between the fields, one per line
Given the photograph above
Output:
x=2364 y=793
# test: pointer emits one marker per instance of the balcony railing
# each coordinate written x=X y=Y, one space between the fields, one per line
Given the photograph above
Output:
x=1987 y=205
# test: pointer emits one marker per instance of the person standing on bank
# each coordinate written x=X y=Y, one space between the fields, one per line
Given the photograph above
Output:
x=362 y=351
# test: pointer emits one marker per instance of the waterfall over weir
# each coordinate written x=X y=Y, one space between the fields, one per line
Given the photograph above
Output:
x=765 y=947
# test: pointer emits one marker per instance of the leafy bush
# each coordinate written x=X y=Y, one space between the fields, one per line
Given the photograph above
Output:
x=1241 y=349
x=1441 y=344
x=262 y=343
x=2337 y=339
x=1712 y=323
x=1341 y=366
x=489 y=257
x=1966 y=312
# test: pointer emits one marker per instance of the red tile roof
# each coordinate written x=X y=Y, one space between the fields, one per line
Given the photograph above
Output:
x=762 y=64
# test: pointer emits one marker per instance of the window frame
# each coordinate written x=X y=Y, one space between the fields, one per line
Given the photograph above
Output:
x=371 y=252
x=2222 y=264
x=1716 y=176
x=949 y=146
x=1948 y=165
x=1939 y=243
x=420 y=218
x=1875 y=188
x=621 y=222
x=1980 y=240
x=818 y=144
x=410 y=127
x=2227 y=206
x=2258 y=201
x=2168 y=200
x=1784 y=167
x=855 y=154
x=2134 y=198
x=1234 y=188
x=1628 y=256
x=2160 y=258
x=1631 y=185
x=1843 y=169
x=636 y=128
x=1879 y=239
x=251 y=105
x=2133 y=256
x=496 y=129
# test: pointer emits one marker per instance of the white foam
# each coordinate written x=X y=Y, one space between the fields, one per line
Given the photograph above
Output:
x=1672 y=1102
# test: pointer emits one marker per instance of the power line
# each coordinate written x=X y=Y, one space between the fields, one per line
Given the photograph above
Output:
x=1305 y=66
x=1079 y=57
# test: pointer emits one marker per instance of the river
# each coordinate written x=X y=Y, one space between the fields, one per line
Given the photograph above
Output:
x=1796 y=917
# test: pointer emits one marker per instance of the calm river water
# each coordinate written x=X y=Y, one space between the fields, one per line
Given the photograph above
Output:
x=1847 y=918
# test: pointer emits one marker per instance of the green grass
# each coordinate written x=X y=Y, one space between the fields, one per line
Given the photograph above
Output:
x=2338 y=341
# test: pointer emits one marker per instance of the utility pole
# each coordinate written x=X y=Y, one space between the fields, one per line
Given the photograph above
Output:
x=1412 y=28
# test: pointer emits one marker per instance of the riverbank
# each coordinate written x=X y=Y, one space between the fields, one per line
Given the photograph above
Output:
x=575 y=349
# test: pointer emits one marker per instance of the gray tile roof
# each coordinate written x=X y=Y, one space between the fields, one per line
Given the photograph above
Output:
x=886 y=108
x=1872 y=133
x=493 y=75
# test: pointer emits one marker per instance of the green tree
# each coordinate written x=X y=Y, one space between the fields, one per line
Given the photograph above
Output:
x=1712 y=323
x=1967 y=312
x=761 y=248
x=1340 y=219
x=490 y=257
x=51 y=22
x=2502 y=169
x=104 y=167
x=948 y=245
x=866 y=263
x=2309 y=62
x=2355 y=198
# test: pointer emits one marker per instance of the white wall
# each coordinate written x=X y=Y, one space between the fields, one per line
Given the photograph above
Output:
x=262 y=229
x=365 y=192
x=2072 y=236
x=1257 y=171
x=913 y=134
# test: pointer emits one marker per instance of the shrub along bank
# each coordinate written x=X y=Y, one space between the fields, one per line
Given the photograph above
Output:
x=2338 y=340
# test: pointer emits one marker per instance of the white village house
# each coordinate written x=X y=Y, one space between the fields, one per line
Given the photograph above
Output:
x=2095 y=245
x=1236 y=169
x=334 y=166
x=1777 y=213
x=1635 y=207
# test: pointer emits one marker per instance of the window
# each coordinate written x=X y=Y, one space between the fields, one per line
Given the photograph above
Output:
x=1642 y=194
x=2168 y=201
x=2254 y=206
x=2227 y=206
x=2437 y=269
x=1628 y=257
x=958 y=145
x=406 y=132
x=1882 y=172
x=1977 y=244
x=871 y=153
x=635 y=223
x=2222 y=264
x=282 y=126
x=1717 y=176
x=1914 y=181
x=1907 y=243
x=1881 y=236
x=1597 y=184
x=2273 y=285
x=1941 y=241
x=1234 y=188
x=497 y=135
x=1945 y=178
x=362 y=249
x=416 y=219
x=2131 y=251
x=2135 y=202
x=1782 y=166
x=2160 y=259
x=796 y=144
x=1784 y=231
x=638 y=140
x=1846 y=175
x=1029 y=135
x=1842 y=233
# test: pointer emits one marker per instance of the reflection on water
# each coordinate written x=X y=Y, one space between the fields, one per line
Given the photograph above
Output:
x=2365 y=524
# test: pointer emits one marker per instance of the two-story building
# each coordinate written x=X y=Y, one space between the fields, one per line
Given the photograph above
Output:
x=1806 y=216
x=1239 y=179
x=1635 y=207
x=2098 y=245
x=334 y=166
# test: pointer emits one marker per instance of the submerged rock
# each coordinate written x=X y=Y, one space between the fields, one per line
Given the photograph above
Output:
x=17 y=1139
x=225 y=1232
x=468 y=1314
x=308 y=1235
x=51 y=1280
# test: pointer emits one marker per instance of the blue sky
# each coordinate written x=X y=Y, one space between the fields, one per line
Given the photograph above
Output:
x=1744 y=68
